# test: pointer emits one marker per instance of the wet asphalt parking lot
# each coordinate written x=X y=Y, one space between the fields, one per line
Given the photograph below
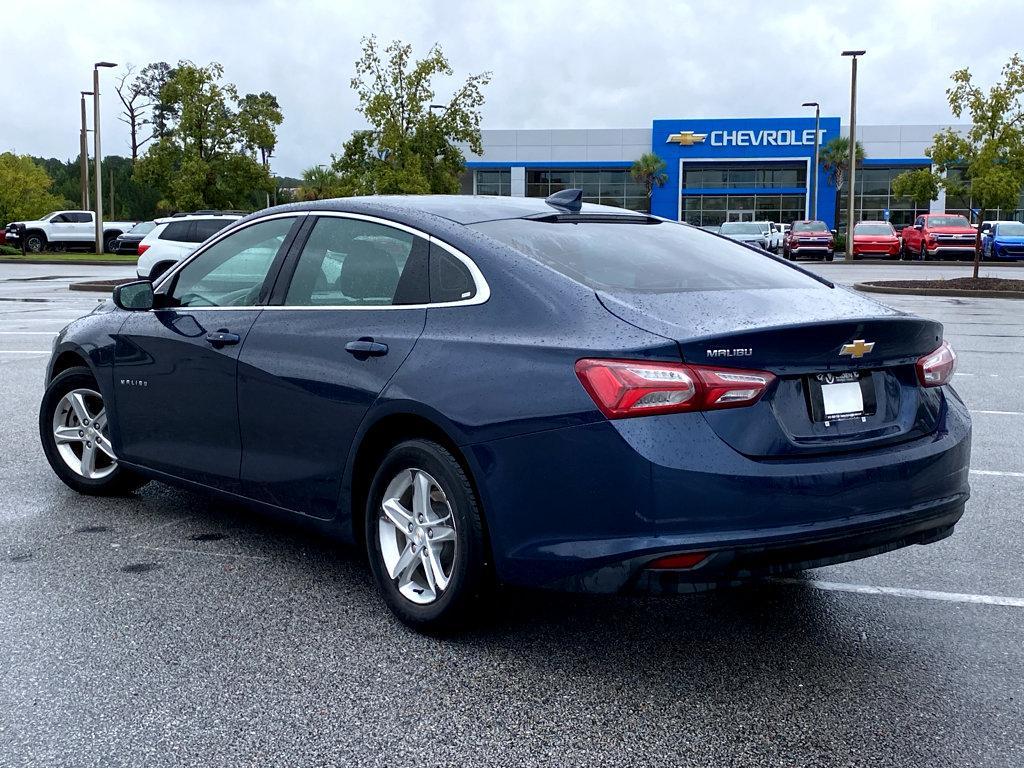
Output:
x=166 y=628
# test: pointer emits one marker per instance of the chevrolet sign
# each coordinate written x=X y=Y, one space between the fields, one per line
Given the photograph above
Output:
x=787 y=137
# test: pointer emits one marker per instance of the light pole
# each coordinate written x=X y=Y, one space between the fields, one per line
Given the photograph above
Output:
x=814 y=175
x=97 y=150
x=852 y=194
x=84 y=159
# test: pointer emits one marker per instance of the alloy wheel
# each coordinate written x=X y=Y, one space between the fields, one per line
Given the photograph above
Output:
x=416 y=533
x=34 y=244
x=80 y=434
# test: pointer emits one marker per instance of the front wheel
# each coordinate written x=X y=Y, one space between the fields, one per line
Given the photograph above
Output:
x=924 y=253
x=109 y=240
x=35 y=242
x=425 y=537
x=829 y=256
x=75 y=436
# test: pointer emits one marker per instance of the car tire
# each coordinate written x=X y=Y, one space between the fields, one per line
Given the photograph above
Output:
x=108 y=241
x=924 y=253
x=158 y=270
x=829 y=257
x=786 y=254
x=426 y=487
x=69 y=408
x=35 y=242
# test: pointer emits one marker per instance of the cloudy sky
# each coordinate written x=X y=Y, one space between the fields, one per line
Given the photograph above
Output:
x=606 y=63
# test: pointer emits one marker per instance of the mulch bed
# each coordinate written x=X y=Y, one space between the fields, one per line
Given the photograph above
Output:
x=969 y=284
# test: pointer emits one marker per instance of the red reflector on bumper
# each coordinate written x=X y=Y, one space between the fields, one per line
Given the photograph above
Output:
x=681 y=561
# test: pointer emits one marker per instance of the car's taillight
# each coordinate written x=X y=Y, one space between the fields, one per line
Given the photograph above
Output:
x=634 y=388
x=936 y=368
x=142 y=248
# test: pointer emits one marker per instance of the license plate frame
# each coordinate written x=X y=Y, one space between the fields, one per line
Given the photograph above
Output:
x=829 y=405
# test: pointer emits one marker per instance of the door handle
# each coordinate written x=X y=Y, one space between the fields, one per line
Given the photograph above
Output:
x=365 y=347
x=222 y=337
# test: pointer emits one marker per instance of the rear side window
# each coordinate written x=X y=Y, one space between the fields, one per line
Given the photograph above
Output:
x=661 y=257
x=179 y=231
x=450 y=280
x=204 y=228
x=354 y=263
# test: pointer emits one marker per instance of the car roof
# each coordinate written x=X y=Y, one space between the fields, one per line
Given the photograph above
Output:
x=195 y=217
x=873 y=221
x=462 y=209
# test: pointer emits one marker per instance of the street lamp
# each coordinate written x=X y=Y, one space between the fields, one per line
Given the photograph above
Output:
x=814 y=175
x=84 y=159
x=97 y=150
x=853 y=150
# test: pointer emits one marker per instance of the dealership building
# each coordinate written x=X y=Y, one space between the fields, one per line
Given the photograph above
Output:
x=718 y=170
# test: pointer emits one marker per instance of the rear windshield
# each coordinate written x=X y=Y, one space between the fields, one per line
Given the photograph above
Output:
x=872 y=229
x=809 y=227
x=948 y=221
x=662 y=257
x=742 y=228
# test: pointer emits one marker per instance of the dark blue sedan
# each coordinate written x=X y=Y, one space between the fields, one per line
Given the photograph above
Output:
x=519 y=391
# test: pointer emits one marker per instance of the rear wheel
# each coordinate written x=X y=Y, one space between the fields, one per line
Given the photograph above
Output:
x=424 y=537
x=158 y=270
x=75 y=436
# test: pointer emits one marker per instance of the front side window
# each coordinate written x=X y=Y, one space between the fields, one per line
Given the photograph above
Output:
x=206 y=228
x=179 y=231
x=231 y=273
x=355 y=263
x=659 y=257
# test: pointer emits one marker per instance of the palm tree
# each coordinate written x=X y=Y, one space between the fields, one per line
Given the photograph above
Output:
x=649 y=170
x=835 y=159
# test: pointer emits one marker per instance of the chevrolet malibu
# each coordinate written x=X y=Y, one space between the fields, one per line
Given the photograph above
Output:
x=482 y=391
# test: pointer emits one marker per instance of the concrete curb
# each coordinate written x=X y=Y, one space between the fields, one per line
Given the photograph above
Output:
x=96 y=263
x=105 y=286
x=980 y=294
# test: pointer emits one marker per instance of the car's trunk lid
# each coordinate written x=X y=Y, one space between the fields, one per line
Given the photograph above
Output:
x=809 y=339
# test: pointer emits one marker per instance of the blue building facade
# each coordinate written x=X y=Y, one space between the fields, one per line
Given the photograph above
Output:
x=717 y=169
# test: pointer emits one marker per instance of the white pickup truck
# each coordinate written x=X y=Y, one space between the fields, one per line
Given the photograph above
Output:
x=62 y=230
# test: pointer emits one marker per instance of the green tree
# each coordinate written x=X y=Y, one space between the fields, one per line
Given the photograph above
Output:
x=919 y=186
x=152 y=79
x=203 y=159
x=259 y=115
x=25 y=189
x=319 y=183
x=649 y=170
x=987 y=162
x=835 y=159
x=412 y=144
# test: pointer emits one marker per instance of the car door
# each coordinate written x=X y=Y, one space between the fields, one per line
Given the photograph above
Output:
x=62 y=228
x=175 y=366
x=348 y=308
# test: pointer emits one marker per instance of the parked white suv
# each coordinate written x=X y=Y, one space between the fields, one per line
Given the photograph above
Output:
x=175 y=238
x=775 y=235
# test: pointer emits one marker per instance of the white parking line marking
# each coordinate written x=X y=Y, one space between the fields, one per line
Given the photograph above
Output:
x=903 y=592
x=151 y=529
x=1005 y=413
x=214 y=553
x=997 y=472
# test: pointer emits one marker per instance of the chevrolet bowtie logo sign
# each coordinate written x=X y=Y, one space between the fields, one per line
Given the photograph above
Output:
x=857 y=348
x=686 y=138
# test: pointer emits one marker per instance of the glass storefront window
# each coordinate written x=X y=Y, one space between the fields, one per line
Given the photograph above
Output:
x=713 y=210
x=608 y=186
x=493 y=182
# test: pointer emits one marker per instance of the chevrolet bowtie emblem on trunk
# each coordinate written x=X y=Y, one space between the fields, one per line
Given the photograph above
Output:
x=857 y=348
x=686 y=138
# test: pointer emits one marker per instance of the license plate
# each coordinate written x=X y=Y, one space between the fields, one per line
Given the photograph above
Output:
x=842 y=399
x=835 y=397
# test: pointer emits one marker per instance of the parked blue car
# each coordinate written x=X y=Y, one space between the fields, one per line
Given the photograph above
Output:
x=1003 y=240
x=519 y=391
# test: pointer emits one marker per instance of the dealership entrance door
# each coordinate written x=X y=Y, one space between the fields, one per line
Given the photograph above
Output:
x=739 y=215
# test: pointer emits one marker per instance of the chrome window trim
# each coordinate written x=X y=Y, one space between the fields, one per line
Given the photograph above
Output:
x=483 y=289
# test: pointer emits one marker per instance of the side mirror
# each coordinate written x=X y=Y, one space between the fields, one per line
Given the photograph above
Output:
x=918 y=226
x=137 y=295
x=835 y=232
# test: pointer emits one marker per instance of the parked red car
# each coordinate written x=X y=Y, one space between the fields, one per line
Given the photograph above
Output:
x=809 y=238
x=877 y=239
x=941 y=235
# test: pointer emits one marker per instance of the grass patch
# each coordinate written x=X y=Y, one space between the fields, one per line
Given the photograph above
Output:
x=71 y=257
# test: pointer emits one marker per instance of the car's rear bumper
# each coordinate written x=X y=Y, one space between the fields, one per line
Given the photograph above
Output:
x=589 y=507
